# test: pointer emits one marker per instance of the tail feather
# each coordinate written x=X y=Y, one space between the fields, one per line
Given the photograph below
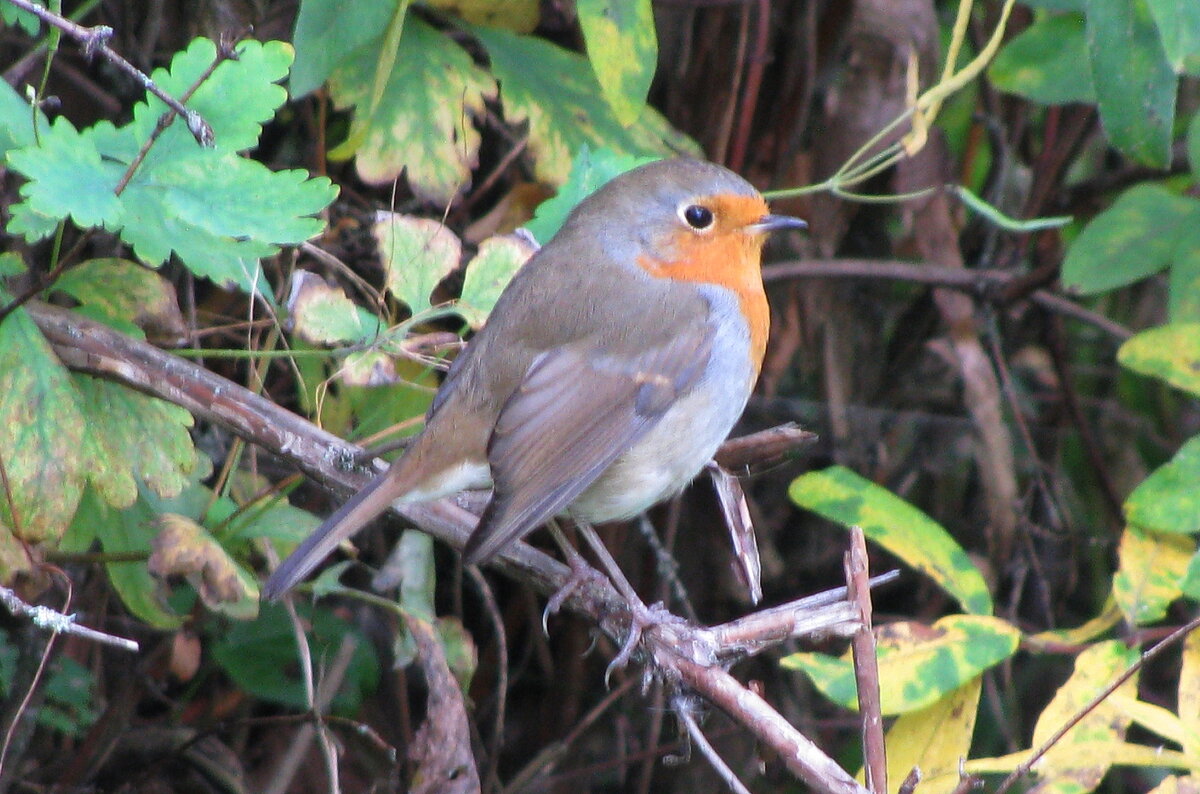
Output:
x=362 y=507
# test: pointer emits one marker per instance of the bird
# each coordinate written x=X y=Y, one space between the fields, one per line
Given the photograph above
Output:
x=615 y=362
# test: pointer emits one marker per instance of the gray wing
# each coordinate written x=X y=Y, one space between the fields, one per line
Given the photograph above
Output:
x=575 y=413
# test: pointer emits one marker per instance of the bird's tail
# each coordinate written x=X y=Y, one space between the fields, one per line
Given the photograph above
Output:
x=362 y=507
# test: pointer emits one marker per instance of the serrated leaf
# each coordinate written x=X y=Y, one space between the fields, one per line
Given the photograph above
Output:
x=1135 y=86
x=417 y=253
x=1041 y=63
x=326 y=30
x=590 y=170
x=1134 y=238
x=125 y=292
x=1150 y=569
x=181 y=547
x=323 y=315
x=421 y=124
x=843 y=496
x=556 y=92
x=623 y=50
x=134 y=438
x=1170 y=352
x=41 y=432
x=936 y=739
x=519 y=16
x=261 y=656
x=1065 y=762
x=918 y=664
x=67 y=179
x=488 y=273
x=1169 y=499
x=1178 y=23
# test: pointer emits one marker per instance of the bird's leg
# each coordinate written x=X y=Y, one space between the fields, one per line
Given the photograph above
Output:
x=580 y=573
x=641 y=617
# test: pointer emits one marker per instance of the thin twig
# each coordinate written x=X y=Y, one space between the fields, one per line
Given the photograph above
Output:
x=59 y=623
x=684 y=711
x=866 y=666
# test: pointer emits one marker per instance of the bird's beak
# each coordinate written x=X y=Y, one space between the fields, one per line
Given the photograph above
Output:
x=774 y=223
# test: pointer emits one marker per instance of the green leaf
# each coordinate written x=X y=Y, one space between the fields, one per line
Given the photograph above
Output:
x=623 y=49
x=1151 y=567
x=421 y=124
x=1169 y=352
x=1136 y=237
x=219 y=212
x=1041 y=63
x=66 y=179
x=918 y=664
x=41 y=433
x=1134 y=83
x=1169 y=499
x=1183 y=293
x=134 y=438
x=1178 y=23
x=590 y=170
x=326 y=30
x=323 y=315
x=843 y=496
x=556 y=92
x=488 y=273
x=261 y=656
x=417 y=254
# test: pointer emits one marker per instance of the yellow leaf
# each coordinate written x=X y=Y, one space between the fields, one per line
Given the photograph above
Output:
x=417 y=253
x=936 y=739
x=1151 y=567
x=1189 y=692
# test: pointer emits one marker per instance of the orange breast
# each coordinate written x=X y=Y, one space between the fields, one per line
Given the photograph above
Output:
x=729 y=257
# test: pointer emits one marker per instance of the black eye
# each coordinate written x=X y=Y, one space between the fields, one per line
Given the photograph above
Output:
x=698 y=217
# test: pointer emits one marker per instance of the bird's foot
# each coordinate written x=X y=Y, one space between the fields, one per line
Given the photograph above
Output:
x=641 y=618
x=581 y=573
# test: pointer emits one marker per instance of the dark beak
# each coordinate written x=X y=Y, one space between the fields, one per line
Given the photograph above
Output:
x=775 y=223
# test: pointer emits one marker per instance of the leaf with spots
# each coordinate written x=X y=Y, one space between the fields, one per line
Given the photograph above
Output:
x=181 y=547
x=918 y=664
x=132 y=438
x=1149 y=573
x=488 y=273
x=556 y=92
x=41 y=433
x=935 y=739
x=323 y=315
x=1041 y=63
x=125 y=295
x=417 y=253
x=421 y=123
x=851 y=500
x=1169 y=352
x=623 y=49
x=1169 y=499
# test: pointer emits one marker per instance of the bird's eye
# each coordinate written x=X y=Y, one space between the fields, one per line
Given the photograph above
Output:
x=698 y=217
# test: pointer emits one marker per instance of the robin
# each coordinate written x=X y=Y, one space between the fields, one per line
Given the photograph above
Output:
x=612 y=367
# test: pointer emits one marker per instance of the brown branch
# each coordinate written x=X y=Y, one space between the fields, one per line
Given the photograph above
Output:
x=676 y=651
x=866 y=666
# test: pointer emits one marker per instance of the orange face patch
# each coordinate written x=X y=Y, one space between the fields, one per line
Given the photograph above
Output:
x=727 y=254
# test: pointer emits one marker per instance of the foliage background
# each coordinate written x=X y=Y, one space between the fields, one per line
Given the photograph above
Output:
x=985 y=372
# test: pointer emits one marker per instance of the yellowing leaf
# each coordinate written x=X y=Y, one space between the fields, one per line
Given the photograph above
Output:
x=1170 y=352
x=1150 y=572
x=1109 y=616
x=1169 y=499
x=323 y=315
x=417 y=253
x=519 y=16
x=127 y=294
x=1095 y=669
x=421 y=123
x=623 y=49
x=1116 y=753
x=851 y=500
x=918 y=664
x=556 y=92
x=936 y=739
x=184 y=548
x=488 y=273
x=1189 y=693
x=41 y=432
x=1174 y=784
x=1155 y=719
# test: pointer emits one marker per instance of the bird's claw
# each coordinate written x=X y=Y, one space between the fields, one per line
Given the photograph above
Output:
x=641 y=618
x=579 y=574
